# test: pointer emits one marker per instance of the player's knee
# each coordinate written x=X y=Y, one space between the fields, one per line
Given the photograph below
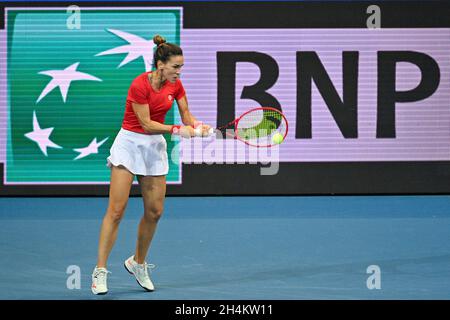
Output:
x=116 y=212
x=154 y=213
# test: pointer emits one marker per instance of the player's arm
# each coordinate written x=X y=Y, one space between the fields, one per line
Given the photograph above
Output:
x=187 y=117
x=142 y=112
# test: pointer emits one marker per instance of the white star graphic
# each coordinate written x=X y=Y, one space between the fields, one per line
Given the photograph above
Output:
x=41 y=136
x=91 y=148
x=137 y=47
x=63 y=78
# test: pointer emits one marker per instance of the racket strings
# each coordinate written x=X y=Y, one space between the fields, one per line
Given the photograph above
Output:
x=259 y=126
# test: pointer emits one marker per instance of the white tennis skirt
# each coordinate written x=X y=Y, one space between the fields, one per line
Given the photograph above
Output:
x=141 y=154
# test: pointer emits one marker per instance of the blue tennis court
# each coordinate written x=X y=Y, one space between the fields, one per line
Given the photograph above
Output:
x=235 y=248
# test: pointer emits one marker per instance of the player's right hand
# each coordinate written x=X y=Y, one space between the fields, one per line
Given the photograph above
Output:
x=187 y=131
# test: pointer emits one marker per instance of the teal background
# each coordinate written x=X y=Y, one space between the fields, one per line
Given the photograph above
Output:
x=39 y=41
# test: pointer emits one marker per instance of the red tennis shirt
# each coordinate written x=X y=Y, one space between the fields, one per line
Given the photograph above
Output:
x=159 y=102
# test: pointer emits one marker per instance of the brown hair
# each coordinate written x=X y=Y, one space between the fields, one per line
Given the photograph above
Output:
x=164 y=50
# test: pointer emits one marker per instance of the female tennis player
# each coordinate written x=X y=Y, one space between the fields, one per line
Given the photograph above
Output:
x=140 y=150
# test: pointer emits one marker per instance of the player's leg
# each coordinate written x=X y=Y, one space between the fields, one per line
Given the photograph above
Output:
x=153 y=190
x=121 y=181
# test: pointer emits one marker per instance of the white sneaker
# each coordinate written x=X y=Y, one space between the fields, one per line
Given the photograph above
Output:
x=140 y=271
x=99 y=279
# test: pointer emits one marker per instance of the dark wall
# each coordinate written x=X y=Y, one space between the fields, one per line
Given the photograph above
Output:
x=292 y=178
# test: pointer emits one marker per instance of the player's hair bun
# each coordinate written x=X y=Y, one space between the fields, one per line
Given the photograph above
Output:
x=158 y=40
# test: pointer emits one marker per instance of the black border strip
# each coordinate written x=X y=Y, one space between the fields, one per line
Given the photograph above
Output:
x=285 y=14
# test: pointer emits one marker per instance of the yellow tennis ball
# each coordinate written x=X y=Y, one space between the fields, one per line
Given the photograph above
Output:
x=277 y=138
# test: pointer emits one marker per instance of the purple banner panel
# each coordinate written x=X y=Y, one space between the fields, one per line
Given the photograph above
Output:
x=422 y=127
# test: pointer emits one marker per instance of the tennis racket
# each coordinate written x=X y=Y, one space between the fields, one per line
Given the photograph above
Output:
x=258 y=127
